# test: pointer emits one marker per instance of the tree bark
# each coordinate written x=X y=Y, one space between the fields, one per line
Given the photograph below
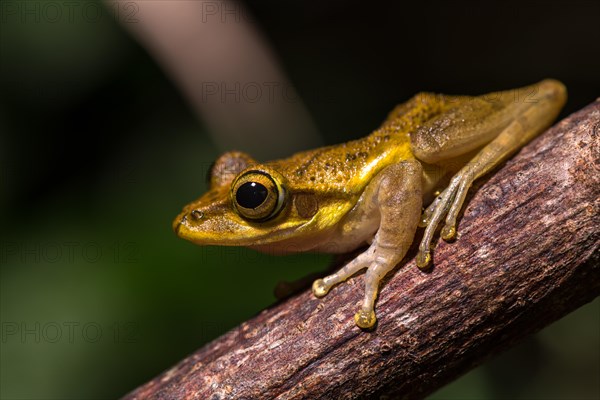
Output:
x=526 y=255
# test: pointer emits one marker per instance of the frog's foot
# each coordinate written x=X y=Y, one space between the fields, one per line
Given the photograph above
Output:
x=321 y=287
x=379 y=263
x=448 y=204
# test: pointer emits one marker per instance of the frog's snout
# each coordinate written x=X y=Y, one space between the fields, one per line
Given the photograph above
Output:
x=186 y=218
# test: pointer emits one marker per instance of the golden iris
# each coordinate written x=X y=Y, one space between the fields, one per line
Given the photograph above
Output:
x=257 y=196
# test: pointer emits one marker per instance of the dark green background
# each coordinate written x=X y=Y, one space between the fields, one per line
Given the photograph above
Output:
x=99 y=152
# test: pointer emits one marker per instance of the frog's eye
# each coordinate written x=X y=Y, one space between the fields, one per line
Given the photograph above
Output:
x=257 y=196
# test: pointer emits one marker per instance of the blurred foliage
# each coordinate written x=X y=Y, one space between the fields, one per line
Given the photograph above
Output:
x=99 y=152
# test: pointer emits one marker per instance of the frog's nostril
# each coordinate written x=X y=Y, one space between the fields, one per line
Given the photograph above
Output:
x=197 y=214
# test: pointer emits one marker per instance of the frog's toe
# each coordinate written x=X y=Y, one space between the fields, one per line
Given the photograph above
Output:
x=448 y=232
x=319 y=288
x=429 y=211
x=423 y=259
x=365 y=319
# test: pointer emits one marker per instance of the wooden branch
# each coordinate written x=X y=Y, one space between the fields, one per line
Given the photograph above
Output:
x=527 y=255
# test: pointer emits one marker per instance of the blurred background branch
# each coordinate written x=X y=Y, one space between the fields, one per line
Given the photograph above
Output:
x=216 y=56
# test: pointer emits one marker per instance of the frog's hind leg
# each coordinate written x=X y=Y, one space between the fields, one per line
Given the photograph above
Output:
x=396 y=193
x=505 y=127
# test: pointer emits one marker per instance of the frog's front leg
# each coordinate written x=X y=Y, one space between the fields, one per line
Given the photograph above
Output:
x=396 y=195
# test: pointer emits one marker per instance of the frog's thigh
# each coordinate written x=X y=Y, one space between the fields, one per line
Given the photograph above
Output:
x=470 y=124
x=399 y=199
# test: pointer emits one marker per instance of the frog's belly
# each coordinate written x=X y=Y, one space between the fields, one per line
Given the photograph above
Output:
x=335 y=240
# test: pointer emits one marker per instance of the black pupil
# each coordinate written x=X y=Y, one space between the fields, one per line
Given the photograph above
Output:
x=251 y=195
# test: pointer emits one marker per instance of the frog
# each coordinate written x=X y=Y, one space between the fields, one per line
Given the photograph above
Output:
x=370 y=193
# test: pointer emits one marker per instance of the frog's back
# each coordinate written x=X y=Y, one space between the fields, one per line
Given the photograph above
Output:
x=348 y=167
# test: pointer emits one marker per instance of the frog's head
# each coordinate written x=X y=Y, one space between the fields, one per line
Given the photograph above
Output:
x=255 y=205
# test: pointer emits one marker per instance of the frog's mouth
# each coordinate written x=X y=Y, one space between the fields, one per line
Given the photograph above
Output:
x=228 y=229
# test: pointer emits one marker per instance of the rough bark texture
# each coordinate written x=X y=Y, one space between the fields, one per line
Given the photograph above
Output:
x=526 y=255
